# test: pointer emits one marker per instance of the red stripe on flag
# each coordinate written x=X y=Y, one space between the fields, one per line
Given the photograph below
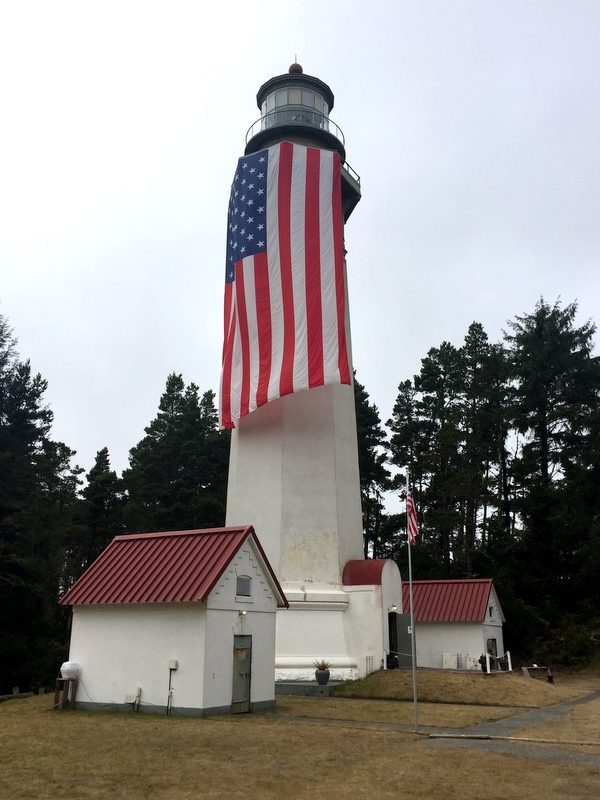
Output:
x=265 y=328
x=229 y=326
x=242 y=314
x=284 y=183
x=312 y=262
x=340 y=283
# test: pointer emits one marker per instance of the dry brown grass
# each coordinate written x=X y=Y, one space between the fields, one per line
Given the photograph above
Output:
x=582 y=725
x=51 y=755
x=448 y=715
x=473 y=688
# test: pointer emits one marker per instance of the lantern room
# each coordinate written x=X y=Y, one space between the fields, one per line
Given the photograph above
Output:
x=295 y=107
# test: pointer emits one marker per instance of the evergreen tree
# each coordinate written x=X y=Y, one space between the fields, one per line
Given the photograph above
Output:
x=99 y=517
x=439 y=384
x=411 y=434
x=503 y=444
x=557 y=387
x=426 y=438
x=449 y=426
x=481 y=478
x=38 y=498
x=374 y=476
x=557 y=392
x=177 y=478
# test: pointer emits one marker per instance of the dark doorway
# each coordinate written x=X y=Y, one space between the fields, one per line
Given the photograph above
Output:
x=393 y=633
x=404 y=641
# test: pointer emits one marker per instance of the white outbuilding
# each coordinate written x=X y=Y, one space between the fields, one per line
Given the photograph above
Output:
x=178 y=623
x=456 y=622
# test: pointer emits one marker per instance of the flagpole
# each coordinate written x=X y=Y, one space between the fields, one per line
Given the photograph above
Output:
x=412 y=616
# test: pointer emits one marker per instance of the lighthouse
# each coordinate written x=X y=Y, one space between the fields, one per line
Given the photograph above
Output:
x=287 y=391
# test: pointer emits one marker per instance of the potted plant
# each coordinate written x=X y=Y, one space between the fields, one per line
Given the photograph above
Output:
x=322 y=671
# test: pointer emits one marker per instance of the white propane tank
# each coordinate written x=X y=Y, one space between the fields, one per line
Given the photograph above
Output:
x=70 y=669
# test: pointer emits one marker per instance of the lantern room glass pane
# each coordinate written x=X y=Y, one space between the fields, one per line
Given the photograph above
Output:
x=308 y=98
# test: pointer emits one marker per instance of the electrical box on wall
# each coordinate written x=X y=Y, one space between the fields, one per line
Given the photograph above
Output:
x=173 y=663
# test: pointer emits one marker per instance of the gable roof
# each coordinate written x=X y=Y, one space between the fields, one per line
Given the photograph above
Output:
x=171 y=567
x=450 y=601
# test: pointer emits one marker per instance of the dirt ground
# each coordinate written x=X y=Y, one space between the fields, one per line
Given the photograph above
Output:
x=55 y=755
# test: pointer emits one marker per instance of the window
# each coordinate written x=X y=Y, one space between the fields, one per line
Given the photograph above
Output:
x=243 y=586
x=294 y=96
x=308 y=98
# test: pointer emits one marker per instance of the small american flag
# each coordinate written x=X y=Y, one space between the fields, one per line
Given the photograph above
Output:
x=411 y=515
x=285 y=294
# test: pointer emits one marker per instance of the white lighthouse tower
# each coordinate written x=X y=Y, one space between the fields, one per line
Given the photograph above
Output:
x=294 y=463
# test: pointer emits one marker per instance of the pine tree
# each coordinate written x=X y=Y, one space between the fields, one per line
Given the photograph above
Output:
x=557 y=392
x=503 y=444
x=481 y=486
x=99 y=517
x=38 y=498
x=177 y=478
x=374 y=476
x=449 y=427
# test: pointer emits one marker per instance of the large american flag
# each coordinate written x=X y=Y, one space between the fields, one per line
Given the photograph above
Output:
x=285 y=295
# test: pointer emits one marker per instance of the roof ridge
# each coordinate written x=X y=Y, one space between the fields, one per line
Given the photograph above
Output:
x=451 y=580
x=192 y=532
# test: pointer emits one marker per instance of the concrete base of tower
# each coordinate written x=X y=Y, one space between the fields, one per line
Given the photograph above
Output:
x=346 y=625
x=313 y=628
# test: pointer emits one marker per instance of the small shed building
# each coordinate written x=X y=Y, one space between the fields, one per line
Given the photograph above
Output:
x=179 y=623
x=456 y=622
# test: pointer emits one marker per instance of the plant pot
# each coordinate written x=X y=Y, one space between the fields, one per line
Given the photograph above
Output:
x=322 y=676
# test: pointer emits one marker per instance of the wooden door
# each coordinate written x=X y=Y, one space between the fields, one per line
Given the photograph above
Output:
x=242 y=673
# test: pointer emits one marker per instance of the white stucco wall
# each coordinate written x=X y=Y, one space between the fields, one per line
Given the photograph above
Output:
x=345 y=625
x=366 y=628
x=433 y=639
x=313 y=630
x=494 y=631
x=367 y=617
x=224 y=621
x=121 y=648
x=293 y=475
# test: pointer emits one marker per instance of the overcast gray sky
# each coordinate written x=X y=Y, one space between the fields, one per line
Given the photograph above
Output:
x=474 y=125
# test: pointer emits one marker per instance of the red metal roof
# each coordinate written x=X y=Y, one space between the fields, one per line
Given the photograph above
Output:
x=171 y=567
x=448 y=601
x=363 y=572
